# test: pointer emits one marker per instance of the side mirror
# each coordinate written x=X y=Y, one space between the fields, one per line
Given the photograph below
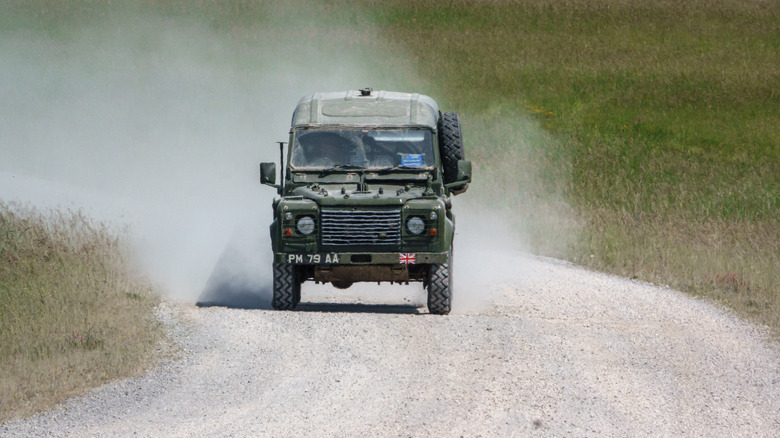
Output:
x=464 y=171
x=461 y=183
x=268 y=174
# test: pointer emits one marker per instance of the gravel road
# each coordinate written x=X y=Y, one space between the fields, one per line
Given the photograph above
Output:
x=551 y=350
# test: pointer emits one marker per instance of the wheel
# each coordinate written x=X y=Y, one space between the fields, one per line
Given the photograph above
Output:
x=450 y=145
x=287 y=287
x=440 y=287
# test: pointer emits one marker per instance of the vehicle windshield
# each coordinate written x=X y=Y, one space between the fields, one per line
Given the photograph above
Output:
x=355 y=148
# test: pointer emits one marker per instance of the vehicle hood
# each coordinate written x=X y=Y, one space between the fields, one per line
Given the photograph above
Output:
x=393 y=194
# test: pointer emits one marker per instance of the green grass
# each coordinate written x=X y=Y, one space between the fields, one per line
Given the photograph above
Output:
x=72 y=316
x=661 y=130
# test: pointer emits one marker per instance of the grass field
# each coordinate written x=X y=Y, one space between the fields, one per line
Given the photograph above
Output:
x=663 y=131
x=71 y=314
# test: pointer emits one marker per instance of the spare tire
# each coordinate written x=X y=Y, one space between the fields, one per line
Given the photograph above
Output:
x=450 y=145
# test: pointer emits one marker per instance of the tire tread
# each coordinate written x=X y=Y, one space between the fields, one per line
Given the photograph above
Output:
x=450 y=145
x=440 y=288
x=287 y=287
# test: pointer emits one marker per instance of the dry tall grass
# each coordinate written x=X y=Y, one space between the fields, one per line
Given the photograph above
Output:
x=72 y=316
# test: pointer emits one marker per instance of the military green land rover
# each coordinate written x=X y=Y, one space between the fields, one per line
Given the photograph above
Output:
x=366 y=194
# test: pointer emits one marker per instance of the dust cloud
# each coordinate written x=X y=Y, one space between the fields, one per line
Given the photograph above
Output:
x=159 y=121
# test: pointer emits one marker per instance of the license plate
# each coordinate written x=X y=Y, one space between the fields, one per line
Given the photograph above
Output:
x=314 y=259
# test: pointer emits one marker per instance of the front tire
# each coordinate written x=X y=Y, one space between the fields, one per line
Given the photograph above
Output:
x=440 y=287
x=287 y=287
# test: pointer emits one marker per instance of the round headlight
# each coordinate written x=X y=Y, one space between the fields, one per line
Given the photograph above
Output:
x=415 y=225
x=305 y=225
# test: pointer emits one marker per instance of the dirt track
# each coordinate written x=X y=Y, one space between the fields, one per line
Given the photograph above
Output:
x=555 y=350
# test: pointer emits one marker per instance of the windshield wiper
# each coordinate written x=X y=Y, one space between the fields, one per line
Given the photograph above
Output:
x=340 y=167
x=401 y=168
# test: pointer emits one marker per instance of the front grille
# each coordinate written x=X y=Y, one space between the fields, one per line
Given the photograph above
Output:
x=349 y=228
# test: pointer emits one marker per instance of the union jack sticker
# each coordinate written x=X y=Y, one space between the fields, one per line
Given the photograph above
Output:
x=406 y=258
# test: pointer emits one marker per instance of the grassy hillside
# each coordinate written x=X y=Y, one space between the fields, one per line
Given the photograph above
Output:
x=71 y=315
x=663 y=118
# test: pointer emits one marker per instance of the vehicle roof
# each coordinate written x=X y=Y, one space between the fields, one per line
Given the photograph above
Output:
x=366 y=108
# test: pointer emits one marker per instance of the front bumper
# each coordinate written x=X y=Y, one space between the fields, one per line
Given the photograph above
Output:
x=361 y=258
